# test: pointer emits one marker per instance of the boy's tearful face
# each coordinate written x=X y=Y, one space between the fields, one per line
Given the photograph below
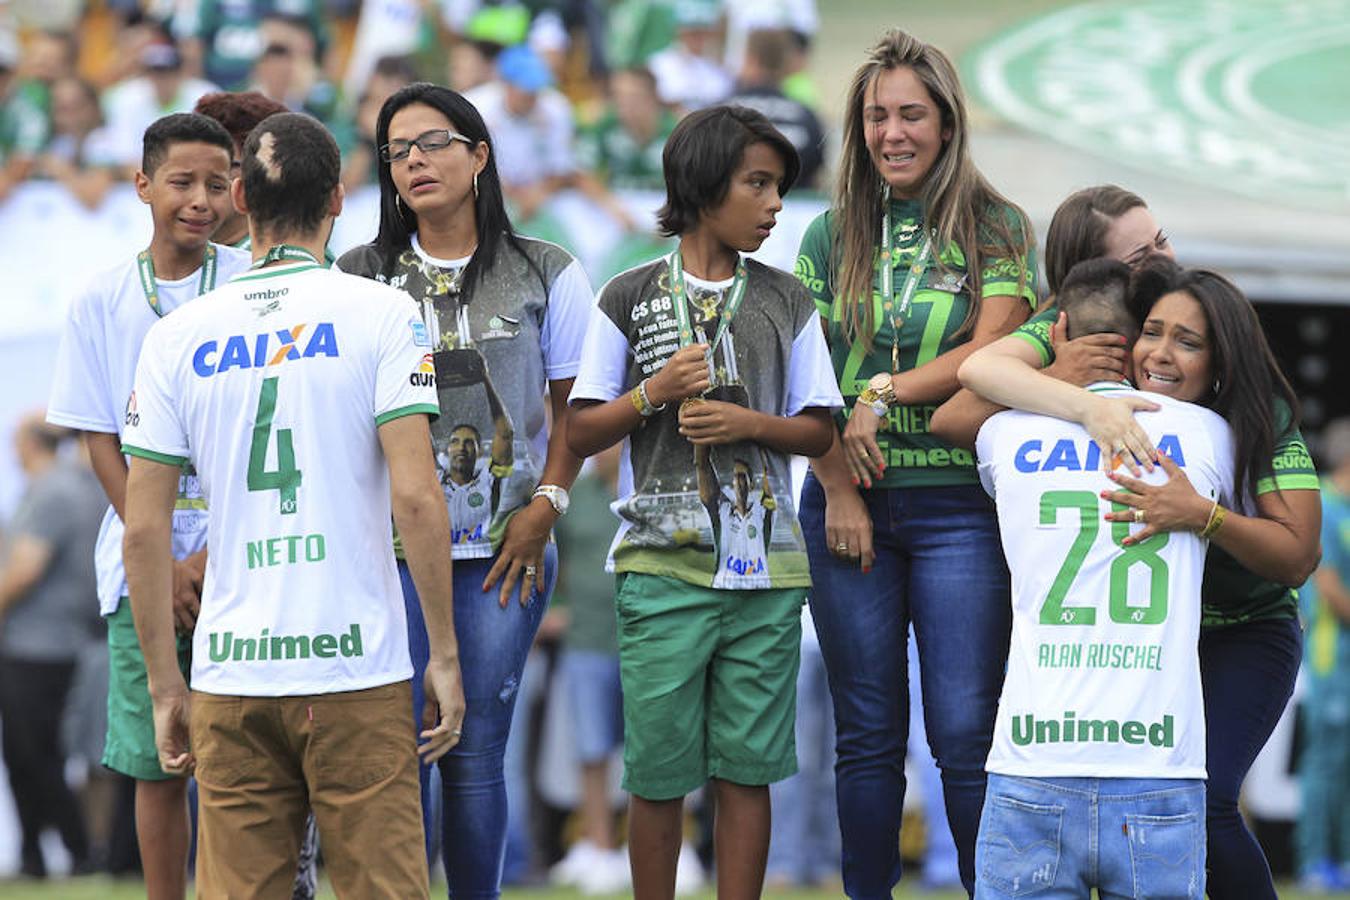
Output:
x=189 y=193
x=747 y=215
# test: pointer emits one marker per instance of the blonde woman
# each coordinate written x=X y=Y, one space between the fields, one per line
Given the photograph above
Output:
x=919 y=262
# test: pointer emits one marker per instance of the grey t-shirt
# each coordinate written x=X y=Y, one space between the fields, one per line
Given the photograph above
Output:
x=492 y=352
x=51 y=622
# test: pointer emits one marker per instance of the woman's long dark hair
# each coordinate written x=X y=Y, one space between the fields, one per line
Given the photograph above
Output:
x=1248 y=378
x=398 y=222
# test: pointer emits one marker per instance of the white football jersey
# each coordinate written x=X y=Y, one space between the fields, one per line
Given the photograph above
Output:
x=1103 y=675
x=95 y=371
x=744 y=557
x=470 y=507
x=274 y=387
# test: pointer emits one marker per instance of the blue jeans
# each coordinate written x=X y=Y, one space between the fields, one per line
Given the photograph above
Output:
x=938 y=564
x=804 y=840
x=595 y=693
x=1053 y=838
x=493 y=645
x=941 y=868
x=1248 y=673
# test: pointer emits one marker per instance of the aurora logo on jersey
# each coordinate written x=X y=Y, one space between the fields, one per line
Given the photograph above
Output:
x=425 y=376
x=1080 y=456
x=1027 y=729
x=270 y=348
x=225 y=646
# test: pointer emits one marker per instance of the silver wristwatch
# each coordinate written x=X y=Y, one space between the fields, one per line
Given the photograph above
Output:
x=555 y=495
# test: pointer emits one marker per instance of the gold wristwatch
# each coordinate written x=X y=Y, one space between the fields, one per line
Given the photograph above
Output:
x=879 y=394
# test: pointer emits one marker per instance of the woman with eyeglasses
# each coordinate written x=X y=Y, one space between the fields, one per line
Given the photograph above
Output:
x=502 y=319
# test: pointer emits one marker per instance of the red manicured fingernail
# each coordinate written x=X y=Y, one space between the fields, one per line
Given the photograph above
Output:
x=855 y=480
x=867 y=569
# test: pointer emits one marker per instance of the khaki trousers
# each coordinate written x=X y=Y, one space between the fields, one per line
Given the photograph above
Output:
x=264 y=762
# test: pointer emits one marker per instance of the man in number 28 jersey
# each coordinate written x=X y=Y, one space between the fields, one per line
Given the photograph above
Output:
x=1098 y=760
x=295 y=392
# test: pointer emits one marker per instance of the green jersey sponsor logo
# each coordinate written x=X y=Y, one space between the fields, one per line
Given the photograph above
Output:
x=227 y=646
x=929 y=457
x=1294 y=456
x=805 y=270
x=285 y=550
x=1027 y=729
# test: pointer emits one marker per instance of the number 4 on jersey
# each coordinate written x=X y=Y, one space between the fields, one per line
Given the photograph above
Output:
x=285 y=478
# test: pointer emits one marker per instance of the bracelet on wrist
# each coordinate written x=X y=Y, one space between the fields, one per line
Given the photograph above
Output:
x=643 y=402
x=1216 y=516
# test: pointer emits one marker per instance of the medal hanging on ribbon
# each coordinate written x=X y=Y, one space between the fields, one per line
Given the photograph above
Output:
x=896 y=312
x=679 y=296
x=146 y=267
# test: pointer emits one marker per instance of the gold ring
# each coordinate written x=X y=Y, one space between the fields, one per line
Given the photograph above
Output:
x=841 y=547
x=530 y=571
x=1139 y=515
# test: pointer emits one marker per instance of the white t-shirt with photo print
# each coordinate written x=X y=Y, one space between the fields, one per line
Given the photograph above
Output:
x=784 y=364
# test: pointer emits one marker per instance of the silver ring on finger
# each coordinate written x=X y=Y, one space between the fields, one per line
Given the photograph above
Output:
x=841 y=547
x=530 y=571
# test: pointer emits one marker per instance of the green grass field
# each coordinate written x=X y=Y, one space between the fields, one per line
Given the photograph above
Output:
x=106 y=889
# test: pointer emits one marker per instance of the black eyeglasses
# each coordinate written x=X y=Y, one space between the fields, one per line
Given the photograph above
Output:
x=435 y=139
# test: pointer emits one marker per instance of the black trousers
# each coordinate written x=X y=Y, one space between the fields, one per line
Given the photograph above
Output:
x=32 y=700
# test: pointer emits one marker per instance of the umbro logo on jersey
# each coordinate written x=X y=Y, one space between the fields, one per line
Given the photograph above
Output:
x=270 y=348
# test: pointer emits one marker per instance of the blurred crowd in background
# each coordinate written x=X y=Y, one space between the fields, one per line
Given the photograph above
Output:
x=578 y=93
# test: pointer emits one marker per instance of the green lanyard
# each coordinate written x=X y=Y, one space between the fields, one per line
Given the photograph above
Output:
x=912 y=276
x=146 y=266
x=285 y=252
x=681 y=302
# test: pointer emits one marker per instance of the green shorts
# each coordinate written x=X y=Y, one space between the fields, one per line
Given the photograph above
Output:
x=709 y=684
x=130 y=747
